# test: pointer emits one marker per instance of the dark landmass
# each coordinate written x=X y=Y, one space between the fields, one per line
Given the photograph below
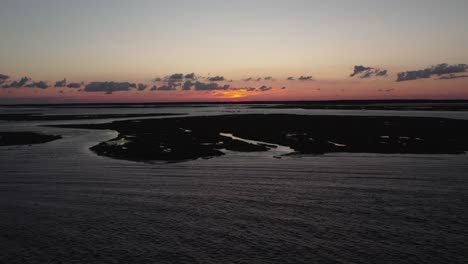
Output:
x=404 y=104
x=396 y=105
x=40 y=117
x=24 y=138
x=177 y=139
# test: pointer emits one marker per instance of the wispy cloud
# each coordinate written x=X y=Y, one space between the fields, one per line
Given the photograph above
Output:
x=264 y=88
x=367 y=72
x=452 y=76
x=440 y=69
x=305 y=78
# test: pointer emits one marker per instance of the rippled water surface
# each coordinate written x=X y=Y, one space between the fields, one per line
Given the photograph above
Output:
x=60 y=203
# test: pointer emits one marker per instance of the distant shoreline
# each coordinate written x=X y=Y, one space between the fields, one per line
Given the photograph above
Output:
x=399 y=104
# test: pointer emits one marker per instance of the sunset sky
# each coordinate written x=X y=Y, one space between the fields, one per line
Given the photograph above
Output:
x=238 y=50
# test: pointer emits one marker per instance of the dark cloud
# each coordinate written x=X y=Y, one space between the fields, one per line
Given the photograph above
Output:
x=452 y=76
x=166 y=88
x=367 y=72
x=187 y=86
x=61 y=83
x=199 y=86
x=283 y=88
x=74 y=85
x=268 y=78
x=176 y=77
x=141 y=86
x=17 y=84
x=444 y=68
x=259 y=79
x=379 y=72
x=358 y=69
x=290 y=78
x=3 y=78
x=413 y=75
x=305 y=78
x=40 y=85
x=109 y=87
x=190 y=76
x=154 y=88
x=157 y=79
x=440 y=69
x=264 y=88
x=216 y=79
x=247 y=79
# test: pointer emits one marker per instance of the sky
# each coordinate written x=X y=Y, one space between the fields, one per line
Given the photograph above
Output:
x=135 y=51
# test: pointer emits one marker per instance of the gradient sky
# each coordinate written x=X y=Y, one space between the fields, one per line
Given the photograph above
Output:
x=137 y=41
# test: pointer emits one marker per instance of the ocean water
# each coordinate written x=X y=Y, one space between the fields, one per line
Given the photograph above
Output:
x=60 y=203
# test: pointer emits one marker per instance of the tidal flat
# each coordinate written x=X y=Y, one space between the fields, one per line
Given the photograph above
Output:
x=184 y=138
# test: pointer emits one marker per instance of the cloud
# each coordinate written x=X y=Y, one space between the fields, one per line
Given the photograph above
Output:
x=359 y=69
x=17 y=84
x=166 y=88
x=452 y=76
x=176 y=77
x=157 y=79
x=290 y=78
x=216 y=79
x=444 y=68
x=367 y=72
x=247 y=79
x=283 y=88
x=264 y=88
x=74 y=85
x=190 y=76
x=440 y=69
x=61 y=83
x=109 y=87
x=141 y=86
x=381 y=72
x=187 y=86
x=199 y=86
x=40 y=85
x=414 y=75
x=3 y=78
x=268 y=78
x=154 y=88
x=305 y=78
x=258 y=79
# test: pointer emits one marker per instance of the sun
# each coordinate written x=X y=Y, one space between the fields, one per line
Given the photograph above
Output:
x=233 y=94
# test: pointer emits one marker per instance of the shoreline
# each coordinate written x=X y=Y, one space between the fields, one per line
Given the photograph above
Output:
x=40 y=117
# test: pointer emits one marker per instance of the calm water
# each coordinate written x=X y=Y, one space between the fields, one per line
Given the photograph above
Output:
x=60 y=203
